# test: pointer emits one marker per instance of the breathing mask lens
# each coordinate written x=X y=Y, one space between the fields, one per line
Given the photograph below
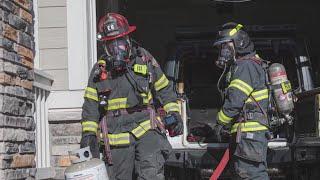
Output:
x=119 y=51
x=226 y=55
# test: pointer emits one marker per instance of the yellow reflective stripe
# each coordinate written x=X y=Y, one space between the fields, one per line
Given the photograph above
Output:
x=259 y=95
x=141 y=129
x=119 y=139
x=248 y=126
x=101 y=61
x=118 y=103
x=91 y=93
x=91 y=90
x=172 y=107
x=84 y=129
x=146 y=99
x=235 y=30
x=161 y=83
x=89 y=126
x=223 y=118
x=89 y=96
x=242 y=86
x=90 y=123
x=139 y=68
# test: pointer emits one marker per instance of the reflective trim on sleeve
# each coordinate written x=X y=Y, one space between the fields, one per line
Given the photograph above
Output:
x=117 y=103
x=119 y=139
x=248 y=127
x=146 y=99
x=172 y=107
x=242 y=86
x=91 y=126
x=161 y=83
x=259 y=95
x=224 y=119
x=141 y=129
x=91 y=93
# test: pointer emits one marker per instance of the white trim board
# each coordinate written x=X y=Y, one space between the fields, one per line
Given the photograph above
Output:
x=65 y=99
x=77 y=44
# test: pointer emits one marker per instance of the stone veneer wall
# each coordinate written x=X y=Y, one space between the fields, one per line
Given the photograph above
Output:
x=17 y=126
x=65 y=130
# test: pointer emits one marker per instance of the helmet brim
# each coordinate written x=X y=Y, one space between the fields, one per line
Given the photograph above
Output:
x=130 y=30
x=221 y=41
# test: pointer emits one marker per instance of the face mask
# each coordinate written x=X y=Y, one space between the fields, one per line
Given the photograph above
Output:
x=226 y=55
x=118 y=51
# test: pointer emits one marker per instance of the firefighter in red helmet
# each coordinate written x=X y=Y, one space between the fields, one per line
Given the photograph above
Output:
x=121 y=87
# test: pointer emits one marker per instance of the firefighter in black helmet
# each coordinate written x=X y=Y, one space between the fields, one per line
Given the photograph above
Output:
x=121 y=87
x=243 y=114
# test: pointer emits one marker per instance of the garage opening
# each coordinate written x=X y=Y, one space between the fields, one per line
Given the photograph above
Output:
x=180 y=33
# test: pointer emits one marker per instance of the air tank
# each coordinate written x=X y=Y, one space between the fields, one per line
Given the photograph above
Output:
x=281 y=89
x=86 y=167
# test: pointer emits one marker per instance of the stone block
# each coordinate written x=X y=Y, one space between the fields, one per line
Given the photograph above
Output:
x=62 y=161
x=26 y=4
x=63 y=116
x=60 y=173
x=10 y=56
x=1 y=66
x=72 y=129
x=15 y=122
x=9 y=32
x=22 y=72
x=60 y=150
x=10 y=68
x=26 y=62
x=8 y=148
x=21 y=161
x=29 y=109
x=13 y=135
x=23 y=51
x=25 y=15
x=31 y=136
x=17 y=22
x=4 y=15
x=11 y=105
x=11 y=174
x=30 y=75
x=30 y=123
x=29 y=29
x=24 y=83
x=25 y=39
x=1 y=103
x=6 y=44
x=28 y=147
x=59 y=140
x=9 y=6
x=6 y=79
x=5 y=161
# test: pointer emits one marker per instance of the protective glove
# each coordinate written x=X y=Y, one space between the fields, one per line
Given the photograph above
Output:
x=220 y=132
x=90 y=139
x=173 y=122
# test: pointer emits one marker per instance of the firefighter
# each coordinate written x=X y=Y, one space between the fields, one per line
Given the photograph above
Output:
x=121 y=86
x=243 y=114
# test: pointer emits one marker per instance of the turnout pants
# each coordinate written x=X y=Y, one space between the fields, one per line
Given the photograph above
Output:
x=143 y=159
x=249 y=159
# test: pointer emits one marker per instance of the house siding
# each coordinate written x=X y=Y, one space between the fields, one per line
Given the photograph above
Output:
x=53 y=44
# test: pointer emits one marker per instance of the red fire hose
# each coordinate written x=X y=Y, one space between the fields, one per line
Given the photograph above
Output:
x=222 y=164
